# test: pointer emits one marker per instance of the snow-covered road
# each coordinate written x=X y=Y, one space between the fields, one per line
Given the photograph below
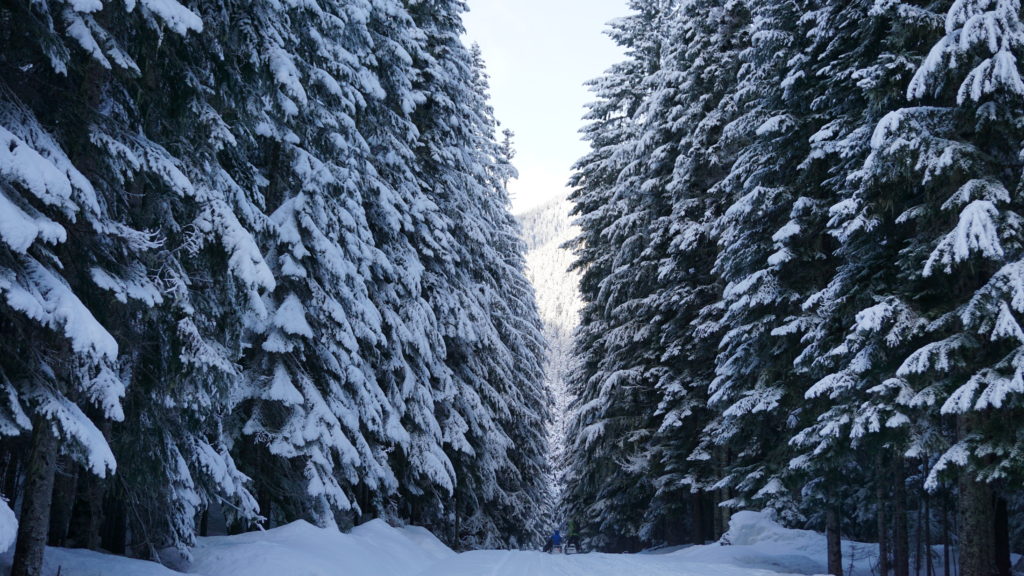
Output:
x=503 y=563
x=754 y=546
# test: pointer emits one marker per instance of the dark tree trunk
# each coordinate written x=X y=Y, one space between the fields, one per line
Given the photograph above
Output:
x=977 y=528
x=12 y=470
x=723 y=513
x=708 y=500
x=901 y=540
x=1002 y=534
x=716 y=517
x=35 y=511
x=675 y=528
x=929 y=564
x=458 y=516
x=114 y=535
x=946 y=560
x=204 y=522
x=65 y=488
x=697 y=518
x=883 y=529
x=266 y=501
x=87 y=515
x=835 y=542
x=263 y=494
x=918 y=544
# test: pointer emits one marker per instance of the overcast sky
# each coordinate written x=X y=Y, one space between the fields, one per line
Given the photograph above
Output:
x=539 y=53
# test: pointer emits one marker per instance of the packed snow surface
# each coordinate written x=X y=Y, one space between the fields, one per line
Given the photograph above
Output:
x=757 y=546
x=503 y=563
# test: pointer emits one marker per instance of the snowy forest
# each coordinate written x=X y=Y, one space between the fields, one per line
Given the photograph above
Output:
x=257 y=263
x=802 y=259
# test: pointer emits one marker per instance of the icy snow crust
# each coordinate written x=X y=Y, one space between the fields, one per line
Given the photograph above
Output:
x=757 y=547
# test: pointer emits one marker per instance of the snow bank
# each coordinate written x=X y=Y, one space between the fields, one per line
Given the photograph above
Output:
x=69 y=562
x=755 y=545
x=297 y=549
x=755 y=540
x=301 y=549
x=8 y=526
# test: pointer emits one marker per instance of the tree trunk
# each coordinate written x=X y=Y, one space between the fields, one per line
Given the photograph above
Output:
x=929 y=564
x=901 y=540
x=65 y=489
x=1002 y=534
x=724 y=513
x=12 y=469
x=204 y=522
x=114 y=534
x=883 y=525
x=266 y=503
x=455 y=533
x=918 y=544
x=835 y=543
x=87 y=515
x=977 y=528
x=716 y=517
x=946 y=560
x=35 y=511
x=697 y=517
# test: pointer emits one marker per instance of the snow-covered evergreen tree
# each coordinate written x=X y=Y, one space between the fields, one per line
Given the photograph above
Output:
x=754 y=392
x=954 y=154
x=230 y=222
x=119 y=179
x=613 y=387
x=316 y=402
x=495 y=403
x=694 y=138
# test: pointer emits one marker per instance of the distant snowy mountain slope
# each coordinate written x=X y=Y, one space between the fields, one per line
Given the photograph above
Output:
x=545 y=229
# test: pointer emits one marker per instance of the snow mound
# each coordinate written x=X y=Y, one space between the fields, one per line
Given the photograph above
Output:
x=755 y=540
x=8 y=526
x=296 y=549
x=747 y=528
x=302 y=549
x=68 y=562
x=433 y=548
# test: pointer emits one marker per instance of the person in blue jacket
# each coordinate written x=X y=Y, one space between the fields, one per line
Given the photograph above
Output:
x=555 y=541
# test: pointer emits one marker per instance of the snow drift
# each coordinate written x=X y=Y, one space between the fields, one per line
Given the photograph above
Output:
x=301 y=549
x=755 y=540
x=296 y=549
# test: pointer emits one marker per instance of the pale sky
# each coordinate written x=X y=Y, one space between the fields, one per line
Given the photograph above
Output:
x=538 y=54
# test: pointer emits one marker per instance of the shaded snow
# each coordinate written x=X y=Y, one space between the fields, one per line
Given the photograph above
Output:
x=296 y=549
x=8 y=525
x=756 y=546
x=301 y=549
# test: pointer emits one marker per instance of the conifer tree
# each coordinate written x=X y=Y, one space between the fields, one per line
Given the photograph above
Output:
x=754 y=393
x=491 y=333
x=956 y=154
x=614 y=392
x=314 y=383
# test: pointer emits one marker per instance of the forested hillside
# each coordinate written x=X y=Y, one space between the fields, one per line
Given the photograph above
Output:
x=545 y=230
x=256 y=258
x=801 y=250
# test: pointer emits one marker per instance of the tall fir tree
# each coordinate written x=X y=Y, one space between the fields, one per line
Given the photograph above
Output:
x=613 y=396
x=314 y=383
